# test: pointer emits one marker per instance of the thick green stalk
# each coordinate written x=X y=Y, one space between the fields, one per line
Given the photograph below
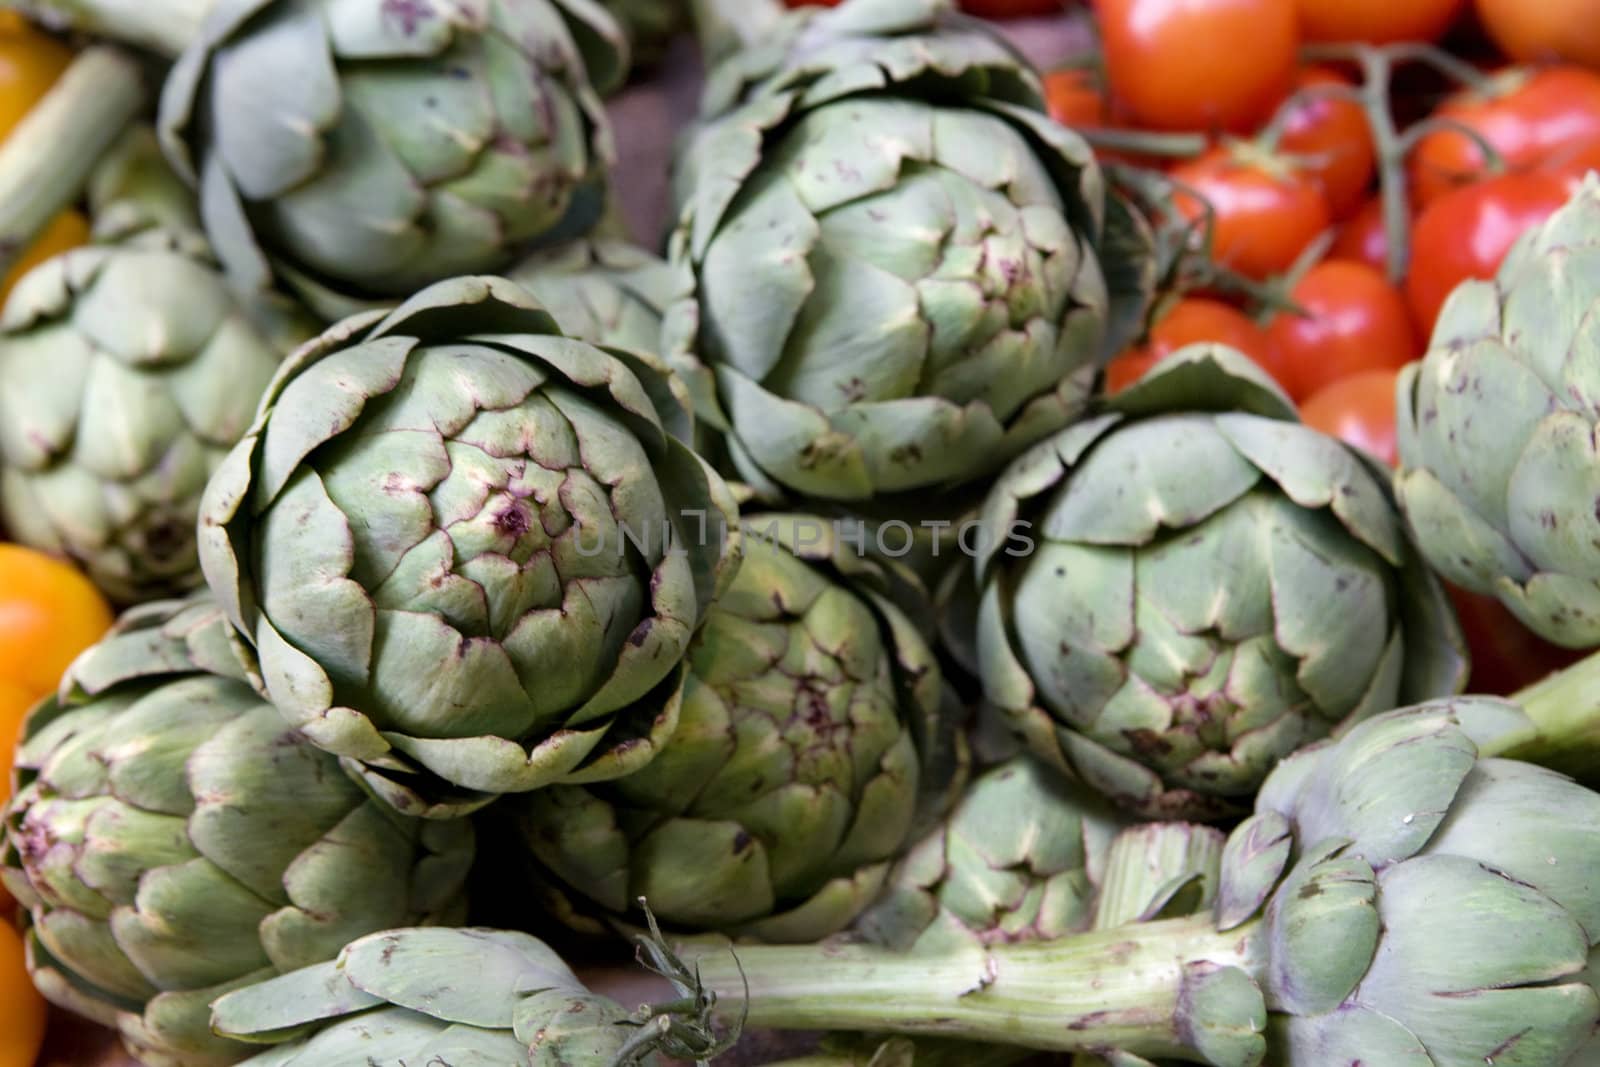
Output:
x=1564 y=709
x=727 y=26
x=902 y=1052
x=1130 y=988
x=163 y=26
x=47 y=159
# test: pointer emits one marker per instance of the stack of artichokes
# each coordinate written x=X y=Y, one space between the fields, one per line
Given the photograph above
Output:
x=571 y=597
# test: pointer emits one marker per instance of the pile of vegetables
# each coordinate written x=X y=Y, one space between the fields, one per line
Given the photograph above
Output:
x=1094 y=566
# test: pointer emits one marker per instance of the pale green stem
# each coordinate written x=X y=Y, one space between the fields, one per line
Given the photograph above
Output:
x=163 y=26
x=725 y=27
x=1121 y=988
x=47 y=159
x=920 y=1054
x=1565 y=733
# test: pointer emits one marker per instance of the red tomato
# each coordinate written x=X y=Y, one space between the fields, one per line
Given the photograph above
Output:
x=1534 y=118
x=1199 y=64
x=1265 y=210
x=1005 y=9
x=1362 y=237
x=1358 y=410
x=1529 y=30
x=1076 y=98
x=1332 y=136
x=1193 y=320
x=1356 y=321
x=1378 y=21
x=1468 y=231
x=1506 y=656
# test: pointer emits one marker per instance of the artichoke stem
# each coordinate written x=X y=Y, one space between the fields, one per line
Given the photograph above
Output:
x=1124 y=988
x=725 y=27
x=46 y=162
x=162 y=26
x=1564 y=709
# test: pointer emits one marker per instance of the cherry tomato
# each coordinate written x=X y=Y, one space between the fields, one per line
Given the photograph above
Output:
x=1193 y=320
x=49 y=612
x=1331 y=136
x=1199 y=64
x=1377 y=21
x=1533 y=118
x=67 y=230
x=1506 y=656
x=1362 y=238
x=1005 y=9
x=1356 y=321
x=23 y=1014
x=1533 y=30
x=1265 y=210
x=30 y=62
x=1358 y=410
x=1467 y=232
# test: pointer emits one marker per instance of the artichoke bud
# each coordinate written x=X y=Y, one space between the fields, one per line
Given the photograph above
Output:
x=812 y=739
x=604 y=291
x=1177 y=593
x=172 y=838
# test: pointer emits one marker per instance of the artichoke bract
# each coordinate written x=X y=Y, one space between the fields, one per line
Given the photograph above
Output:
x=468 y=553
x=813 y=739
x=172 y=838
x=899 y=271
x=603 y=291
x=360 y=151
x=1496 y=430
x=128 y=369
x=649 y=26
x=405 y=998
x=1177 y=592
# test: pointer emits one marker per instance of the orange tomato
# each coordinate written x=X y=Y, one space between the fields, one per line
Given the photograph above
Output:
x=1358 y=410
x=1076 y=99
x=1535 y=30
x=67 y=230
x=1362 y=238
x=1331 y=136
x=1379 y=21
x=1198 y=64
x=30 y=62
x=1506 y=656
x=22 y=1010
x=1355 y=321
x=1193 y=320
x=1265 y=210
x=49 y=612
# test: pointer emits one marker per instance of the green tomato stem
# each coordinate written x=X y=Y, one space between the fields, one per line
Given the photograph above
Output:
x=162 y=26
x=46 y=161
x=1122 y=988
x=1565 y=733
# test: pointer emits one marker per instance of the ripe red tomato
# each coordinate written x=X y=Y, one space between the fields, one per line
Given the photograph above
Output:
x=1199 y=64
x=1358 y=410
x=1194 y=320
x=1534 y=118
x=1506 y=656
x=1468 y=231
x=1378 y=21
x=1531 y=30
x=1362 y=238
x=1356 y=321
x=1332 y=135
x=1265 y=210
x=1076 y=98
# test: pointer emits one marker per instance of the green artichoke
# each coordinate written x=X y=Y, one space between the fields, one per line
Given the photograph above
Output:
x=603 y=291
x=127 y=371
x=1496 y=431
x=410 y=998
x=468 y=553
x=899 y=272
x=649 y=26
x=811 y=739
x=360 y=151
x=1396 y=900
x=172 y=838
x=1177 y=593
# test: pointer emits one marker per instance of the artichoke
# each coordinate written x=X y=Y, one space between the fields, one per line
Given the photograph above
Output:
x=172 y=838
x=603 y=291
x=467 y=553
x=363 y=150
x=899 y=272
x=1182 y=590
x=1397 y=899
x=408 y=998
x=127 y=371
x=649 y=26
x=810 y=741
x=1496 y=431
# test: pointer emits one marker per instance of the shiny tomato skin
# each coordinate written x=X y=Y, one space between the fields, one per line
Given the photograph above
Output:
x=1506 y=656
x=1541 y=30
x=1358 y=410
x=1362 y=237
x=1332 y=136
x=1467 y=232
x=1355 y=321
x=1199 y=64
x=1534 y=118
x=1194 y=320
x=1265 y=213
x=1377 y=21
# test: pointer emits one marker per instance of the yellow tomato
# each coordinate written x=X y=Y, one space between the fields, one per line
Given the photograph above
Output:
x=67 y=230
x=30 y=62
x=49 y=612
x=22 y=1009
